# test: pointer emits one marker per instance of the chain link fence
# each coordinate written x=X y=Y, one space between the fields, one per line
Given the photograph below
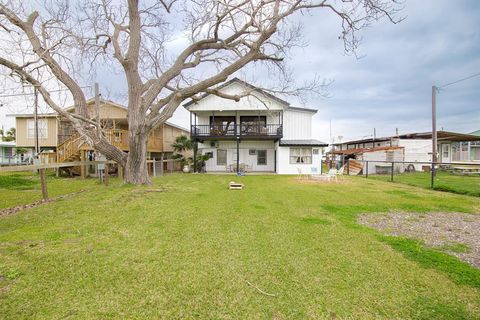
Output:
x=457 y=177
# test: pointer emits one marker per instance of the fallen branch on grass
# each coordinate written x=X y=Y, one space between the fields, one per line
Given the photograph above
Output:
x=260 y=290
x=13 y=210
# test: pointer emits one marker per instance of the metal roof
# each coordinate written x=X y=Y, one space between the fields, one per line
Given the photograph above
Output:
x=7 y=143
x=364 y=150
x=475 y=133
x=302 y=143
x=441 y=136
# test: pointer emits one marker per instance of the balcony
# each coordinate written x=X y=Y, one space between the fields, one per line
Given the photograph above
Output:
x=242 y=131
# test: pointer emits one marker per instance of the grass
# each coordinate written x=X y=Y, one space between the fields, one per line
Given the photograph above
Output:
x=20 y=188
x=187 y=248
x=444 y=181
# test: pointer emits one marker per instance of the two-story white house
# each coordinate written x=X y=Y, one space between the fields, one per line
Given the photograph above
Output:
x=258 y=133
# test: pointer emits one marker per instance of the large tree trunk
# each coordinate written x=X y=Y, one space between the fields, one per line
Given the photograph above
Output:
x=136 y=170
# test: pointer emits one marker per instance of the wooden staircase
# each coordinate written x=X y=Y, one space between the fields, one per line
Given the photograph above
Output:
x=70 y=149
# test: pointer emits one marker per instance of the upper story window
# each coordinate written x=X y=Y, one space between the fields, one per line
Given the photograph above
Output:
x=42 y=128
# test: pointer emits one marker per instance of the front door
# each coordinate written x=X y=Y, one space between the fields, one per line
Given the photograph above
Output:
x=446 y=156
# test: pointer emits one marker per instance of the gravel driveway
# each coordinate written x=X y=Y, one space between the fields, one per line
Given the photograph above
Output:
x=455 y=233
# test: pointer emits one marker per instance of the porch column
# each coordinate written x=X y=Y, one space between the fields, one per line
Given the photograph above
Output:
x=238 y=153
x=195 y=147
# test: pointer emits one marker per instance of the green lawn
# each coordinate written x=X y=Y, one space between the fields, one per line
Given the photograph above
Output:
x=188 y=248
x=444 y=181
x=18 y=188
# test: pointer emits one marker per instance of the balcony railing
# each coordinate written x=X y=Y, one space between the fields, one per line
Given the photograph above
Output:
x=245 y=130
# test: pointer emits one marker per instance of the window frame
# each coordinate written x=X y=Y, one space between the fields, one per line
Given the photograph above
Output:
x=264 y=157
x=301 y=157
x=42 y=128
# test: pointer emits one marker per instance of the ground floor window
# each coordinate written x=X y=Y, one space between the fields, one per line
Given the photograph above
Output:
x=300 y=155
x=261 y=157
x=221 y=157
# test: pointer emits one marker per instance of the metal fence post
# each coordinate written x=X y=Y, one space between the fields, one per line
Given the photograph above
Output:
x=432 y=182
x=366 y=171
x=391 y=177
x=348 y=167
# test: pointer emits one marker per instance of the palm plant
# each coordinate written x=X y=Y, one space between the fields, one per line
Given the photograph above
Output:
x=182 y=143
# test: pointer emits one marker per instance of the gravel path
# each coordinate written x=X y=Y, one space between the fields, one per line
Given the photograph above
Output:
x=455 y=233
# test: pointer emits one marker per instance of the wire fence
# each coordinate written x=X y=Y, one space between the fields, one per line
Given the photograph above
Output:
x=14 y=176
x=458 y=177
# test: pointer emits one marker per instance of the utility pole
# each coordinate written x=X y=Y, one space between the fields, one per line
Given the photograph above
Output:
x=35 y=120
x=97 y=104
x=434 y=133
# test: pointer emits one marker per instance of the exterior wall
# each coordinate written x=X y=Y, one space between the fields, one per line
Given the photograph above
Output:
x=245 y=146
x=285 y=167
x=8 y=155
x=398 y=155
x=168 y=134
x=107 y=111
x=22 y=136
x=417 y=151
x=212 y=102
x=297 y=124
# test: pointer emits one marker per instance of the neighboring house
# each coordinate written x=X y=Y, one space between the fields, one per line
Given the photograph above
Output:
x=57 y=136
x=259 y=133
x=412 y=147
x=473 y=147
x=8 y=153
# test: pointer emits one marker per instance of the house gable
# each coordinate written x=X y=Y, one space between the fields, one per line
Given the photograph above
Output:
x=257 y=100
x=108 y=110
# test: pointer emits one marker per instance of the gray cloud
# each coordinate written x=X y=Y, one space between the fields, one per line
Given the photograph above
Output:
x=390 y=86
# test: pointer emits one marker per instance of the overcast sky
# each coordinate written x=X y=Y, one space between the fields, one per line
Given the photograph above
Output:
x=390 y=85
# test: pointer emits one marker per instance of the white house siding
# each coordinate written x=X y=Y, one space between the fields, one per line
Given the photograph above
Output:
x=297 y=124
x=245 y=146
x=381 y=155
x=417 y=151
x=252 y=102
x=285 y=167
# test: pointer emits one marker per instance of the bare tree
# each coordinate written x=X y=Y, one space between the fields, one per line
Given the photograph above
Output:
x=221 y=36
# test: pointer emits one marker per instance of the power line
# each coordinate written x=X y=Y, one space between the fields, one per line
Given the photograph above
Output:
x=460 y=80
x=29 y=94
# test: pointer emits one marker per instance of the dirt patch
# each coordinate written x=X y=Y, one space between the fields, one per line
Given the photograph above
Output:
x=455 y=233
x=13 y=210
x=309 y=180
